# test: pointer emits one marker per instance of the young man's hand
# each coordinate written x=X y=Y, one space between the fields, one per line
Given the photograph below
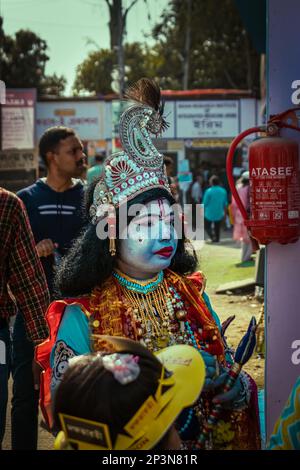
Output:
x=36 y=372
x=45 y=247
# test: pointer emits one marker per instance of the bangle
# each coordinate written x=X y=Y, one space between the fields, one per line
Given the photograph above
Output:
x=245 y=393
x=187 y=423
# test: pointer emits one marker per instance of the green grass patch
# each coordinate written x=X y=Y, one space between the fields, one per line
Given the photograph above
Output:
x=218 y=263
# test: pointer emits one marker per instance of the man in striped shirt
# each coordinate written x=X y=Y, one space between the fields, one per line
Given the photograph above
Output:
x=54 y=204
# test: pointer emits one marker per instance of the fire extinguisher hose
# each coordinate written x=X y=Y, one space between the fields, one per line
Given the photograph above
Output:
x=229 y=161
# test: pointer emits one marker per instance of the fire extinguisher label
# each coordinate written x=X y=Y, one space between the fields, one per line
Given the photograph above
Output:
x=278 y=215
x=263 y=215
x=275 y=189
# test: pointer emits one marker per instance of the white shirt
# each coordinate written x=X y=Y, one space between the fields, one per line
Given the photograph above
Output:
x=196 y=192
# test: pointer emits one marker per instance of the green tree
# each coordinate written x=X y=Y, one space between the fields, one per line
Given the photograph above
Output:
x=23 y=60
x=198 y=44
x=94 y=74
x=53 y=85
x=220 y=53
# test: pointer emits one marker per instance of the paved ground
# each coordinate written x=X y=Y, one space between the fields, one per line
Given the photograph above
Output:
x=45 y=439
x=218 y=261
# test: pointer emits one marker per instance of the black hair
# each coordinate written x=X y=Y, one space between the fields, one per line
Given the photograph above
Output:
x=99 y=157
x=168 y=160
x=89 y=391
x=51 y=139
x=244 y=180
x=88 y=263
x=214 y=180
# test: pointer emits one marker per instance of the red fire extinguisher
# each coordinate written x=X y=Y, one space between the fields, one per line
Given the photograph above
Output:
x=274 y=182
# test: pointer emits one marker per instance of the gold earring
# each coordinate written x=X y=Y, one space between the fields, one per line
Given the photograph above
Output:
x=112 y=233
x=112 y=246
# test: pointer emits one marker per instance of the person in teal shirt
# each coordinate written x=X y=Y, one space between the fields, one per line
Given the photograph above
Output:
x=215 y=205
x=95 y=171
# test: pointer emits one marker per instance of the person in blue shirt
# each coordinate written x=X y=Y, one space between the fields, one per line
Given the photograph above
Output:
x=95 y=171
x=54 y=206
x=215 y=206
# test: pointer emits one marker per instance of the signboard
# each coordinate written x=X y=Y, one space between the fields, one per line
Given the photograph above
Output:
x=210 y=143
x=206 y=119
x=18 y=169
x=18 y=160
x=169 y=115
x=86 y=118
x=2 y=92
x=117 y=108
x=184 y=174
x=185 y=177
x=183 y=166
x=18 y=114
x=248 y=110
x=175 y=145
x=161 y=145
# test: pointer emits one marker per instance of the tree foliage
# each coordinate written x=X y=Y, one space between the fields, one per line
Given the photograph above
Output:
x=23 y=60
x=53 y=85
x=221 y=54
x=95 y=73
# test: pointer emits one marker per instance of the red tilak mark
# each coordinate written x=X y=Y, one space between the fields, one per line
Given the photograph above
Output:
x=161 y=208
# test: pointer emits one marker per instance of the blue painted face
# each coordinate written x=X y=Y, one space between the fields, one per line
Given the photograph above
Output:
x=152 y=241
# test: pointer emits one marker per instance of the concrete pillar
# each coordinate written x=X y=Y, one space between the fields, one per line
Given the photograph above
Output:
x=283 y=261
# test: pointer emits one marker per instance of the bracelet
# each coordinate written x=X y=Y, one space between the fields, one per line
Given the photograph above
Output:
x=187 y=423
x=245 y=394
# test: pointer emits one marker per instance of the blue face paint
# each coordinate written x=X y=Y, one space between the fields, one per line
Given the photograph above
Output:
x=152 y=240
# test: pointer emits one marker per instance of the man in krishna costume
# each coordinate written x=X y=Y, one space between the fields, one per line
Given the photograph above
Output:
x=143 y=285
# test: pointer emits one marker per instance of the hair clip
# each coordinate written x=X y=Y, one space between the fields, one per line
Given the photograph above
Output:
x=124 y=367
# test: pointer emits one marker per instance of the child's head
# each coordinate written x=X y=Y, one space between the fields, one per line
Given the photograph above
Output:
x=124 y=397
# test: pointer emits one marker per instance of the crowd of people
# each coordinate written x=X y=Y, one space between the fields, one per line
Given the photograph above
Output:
x=135 y=356
x=210 y=188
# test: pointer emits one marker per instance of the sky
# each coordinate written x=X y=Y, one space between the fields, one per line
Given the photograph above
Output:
x=73 y=28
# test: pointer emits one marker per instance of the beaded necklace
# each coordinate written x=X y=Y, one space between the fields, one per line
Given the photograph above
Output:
x=141 y=287
x=158 y=312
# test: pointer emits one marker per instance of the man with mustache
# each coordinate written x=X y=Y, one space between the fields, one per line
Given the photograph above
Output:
x=54 y=207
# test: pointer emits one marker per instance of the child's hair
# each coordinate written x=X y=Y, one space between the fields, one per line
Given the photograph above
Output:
x=91 y=392
x=132 y=395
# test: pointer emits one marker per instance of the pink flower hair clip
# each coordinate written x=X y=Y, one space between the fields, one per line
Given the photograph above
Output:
x=124 y=367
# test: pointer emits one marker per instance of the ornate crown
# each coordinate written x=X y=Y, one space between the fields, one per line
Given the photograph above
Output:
x=139 y=167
